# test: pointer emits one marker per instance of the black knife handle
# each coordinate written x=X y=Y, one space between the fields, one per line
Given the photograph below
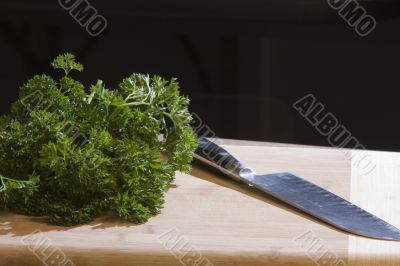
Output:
x=218 y=158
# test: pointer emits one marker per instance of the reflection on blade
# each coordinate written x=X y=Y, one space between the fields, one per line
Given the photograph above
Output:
x=324 y=205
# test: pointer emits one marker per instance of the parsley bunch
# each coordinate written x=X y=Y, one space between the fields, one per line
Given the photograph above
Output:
x=71 y=154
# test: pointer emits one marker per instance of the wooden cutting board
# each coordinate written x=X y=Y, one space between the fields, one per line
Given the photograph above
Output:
x=209 y=220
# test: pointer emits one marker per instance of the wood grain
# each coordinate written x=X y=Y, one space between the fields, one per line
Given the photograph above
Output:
x=379 y=193
x=212 y=220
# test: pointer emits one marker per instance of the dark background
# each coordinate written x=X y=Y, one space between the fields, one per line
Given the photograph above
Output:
x=243 y=63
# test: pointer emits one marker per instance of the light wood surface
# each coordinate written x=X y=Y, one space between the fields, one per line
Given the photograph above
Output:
x=217 y=222
x=379 y=193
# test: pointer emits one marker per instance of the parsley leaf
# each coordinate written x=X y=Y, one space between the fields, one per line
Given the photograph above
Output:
x=73 y=153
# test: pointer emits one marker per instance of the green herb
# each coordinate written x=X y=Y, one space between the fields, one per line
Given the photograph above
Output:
x=73 y=154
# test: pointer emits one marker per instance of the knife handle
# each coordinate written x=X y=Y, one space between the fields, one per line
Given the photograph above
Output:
x=218 y=158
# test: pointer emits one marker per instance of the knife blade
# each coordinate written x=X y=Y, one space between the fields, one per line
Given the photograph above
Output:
x=300 y=194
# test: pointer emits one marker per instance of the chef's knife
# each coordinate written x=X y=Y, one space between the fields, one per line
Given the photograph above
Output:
x=300 y=194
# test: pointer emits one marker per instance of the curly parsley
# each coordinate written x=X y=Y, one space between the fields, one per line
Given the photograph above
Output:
x=71 y=154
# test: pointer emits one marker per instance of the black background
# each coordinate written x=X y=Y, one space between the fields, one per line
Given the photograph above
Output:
x=243 y=63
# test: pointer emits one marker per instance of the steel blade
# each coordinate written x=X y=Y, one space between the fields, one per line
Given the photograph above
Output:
x=323 y=204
